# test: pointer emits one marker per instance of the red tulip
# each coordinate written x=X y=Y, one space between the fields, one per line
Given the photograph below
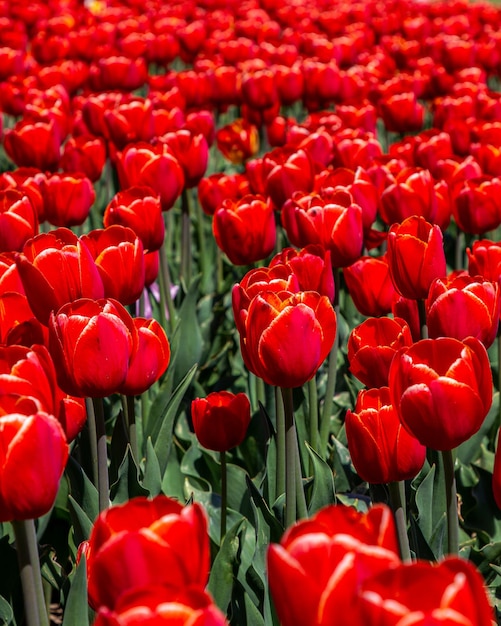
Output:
x=150 y=358
x=67 y=199
x=34 y=144
x=316 y=570
x=145 y=165
x=191 y=151
x=402 y=112
x=477 y=205
x=161 y=606
x=85 y=333
x=145 y=543
x=333 y=222
x=370 y=286
x=484 y=259
x=381 y=449
x=372 y=346
x=18 y=324
x=442 y=390
x=118 y=254
x=462 y=306
x=86 y=154
x=139 y=209
x=18 y=220
x=238 y=141
x=131 y=121
x=221 y=420
x=415 y=256
x=216 y=188
x=118 y=72
x=33 y=454
x=413 y=193
x=245 y=229
x=450 y=593
x=294 y=172
x=269 y=344
x=29 y=181
x=57 y=268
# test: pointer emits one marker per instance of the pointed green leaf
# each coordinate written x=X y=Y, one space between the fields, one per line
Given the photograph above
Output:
x=76 y=610
x=127 y=485
x=152 y=479
x=221 y=577
x=323 y=492
x=6 y=614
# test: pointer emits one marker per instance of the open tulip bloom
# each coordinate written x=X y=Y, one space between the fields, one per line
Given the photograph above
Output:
x=250 y=344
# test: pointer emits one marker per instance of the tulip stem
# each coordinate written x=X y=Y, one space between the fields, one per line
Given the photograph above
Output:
x=203 y=260
x=165 y=293
x=224 y=495
x=290 y=458
x=280 y=444
x=31 y=577
x=422 y=319
x=99 y=451
x=451 y=500
x=313 y=401
x=302 y=509
x=397 y=499
x=330 y=387
x=185 y=237
x=132 y=427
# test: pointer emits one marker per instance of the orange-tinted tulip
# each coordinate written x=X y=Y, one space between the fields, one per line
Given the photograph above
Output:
x=238 y=141
x=381 y=449
x=221 y=419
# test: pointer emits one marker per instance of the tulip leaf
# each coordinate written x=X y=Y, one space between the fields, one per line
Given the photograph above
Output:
x=252 y=613
x=152 y=477
x=82 y=525
x=82 y=490
x=127 y=484
x=173 y=479
x=431 y=506
x=276 y=528
x=6 y=613
x=162 y=436
x=341 y=466
x=76 y=609
x=221 y=578
x=187 y=342
x=323 y=492
x=470 y=450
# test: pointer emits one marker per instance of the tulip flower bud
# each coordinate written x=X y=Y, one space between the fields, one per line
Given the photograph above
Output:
x=221 y=420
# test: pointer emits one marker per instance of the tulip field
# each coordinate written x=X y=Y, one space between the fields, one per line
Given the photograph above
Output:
x=250 y=299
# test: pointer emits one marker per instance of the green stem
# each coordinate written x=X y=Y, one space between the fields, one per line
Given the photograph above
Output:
x=397 y=499
x=280 y=443
x=103 y=486
x=185 y=238
x=31 y=577
x=302 y=509
x=91 y=423
x=459 y=250
x=422 y=319
x=260 y=391
x=202 y=245
x=290 y=458
x=224 y=495
x=219 y=270
x=452 y=506
x=132 y=426
x=313 y=409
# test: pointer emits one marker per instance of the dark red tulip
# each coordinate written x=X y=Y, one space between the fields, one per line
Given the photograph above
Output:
x=370 y=285
x=221 y=419
x=86 y=154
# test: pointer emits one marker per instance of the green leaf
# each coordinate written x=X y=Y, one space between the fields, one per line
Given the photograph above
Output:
x=76 y=610
x=323 y=492
x=152 y=478
x=470 y=450
x=253 y=614
x=6 y=613
x=173 y=479
x=431 y=505
x=275 y=527
x=82 y=490
x=162 y=437
x=221 y=576
x=82 y=524
x=127 y=485
x=187 y=342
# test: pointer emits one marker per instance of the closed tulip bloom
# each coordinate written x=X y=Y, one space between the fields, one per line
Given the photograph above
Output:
x=86 y=154
x=412 y=193
x=402 y=112
x=274 y=322
x=221 y=420
x=370 y=285
x=415 y=256
x=448 y=593
x=91 y=343
x=34 y=144
x=245 y=229
x=316 y=570
x=67 y=199
x=57 y=268
x=119 y=257
x=381 y=449
x=463 y=306
x=18 y=324
x=144 y=543
x=484 y=259
x=334 y=222
x=372 y=346
x=18 y=220
x=149 y=359
x=33 y=455
x=191 y=151
x=213 y=189
x=29 y=181
x=238 y=141
x=294 y=172
x=477 y=205
x=442 y=390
